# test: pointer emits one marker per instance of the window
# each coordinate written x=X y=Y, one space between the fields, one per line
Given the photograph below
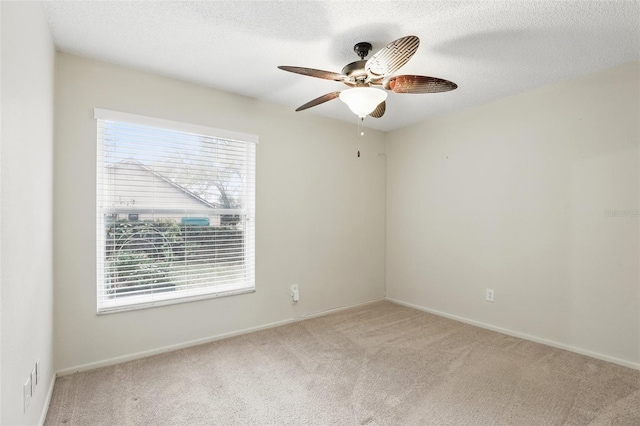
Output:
x=175 y=212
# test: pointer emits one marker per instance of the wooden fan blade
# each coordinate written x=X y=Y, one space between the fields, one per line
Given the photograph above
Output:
x=418 y=84
x=389 y=59
x=327 y=75
x=317 y=101
x=379 y=111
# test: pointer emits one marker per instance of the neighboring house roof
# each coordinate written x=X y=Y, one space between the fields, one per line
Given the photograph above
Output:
x=154 y=174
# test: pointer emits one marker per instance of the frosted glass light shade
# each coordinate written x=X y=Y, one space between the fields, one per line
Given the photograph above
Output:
x=363 y=100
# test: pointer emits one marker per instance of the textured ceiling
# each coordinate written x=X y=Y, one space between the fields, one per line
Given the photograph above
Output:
x=491 y=49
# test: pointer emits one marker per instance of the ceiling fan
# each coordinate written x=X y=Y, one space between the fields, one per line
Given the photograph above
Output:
x=363 y=77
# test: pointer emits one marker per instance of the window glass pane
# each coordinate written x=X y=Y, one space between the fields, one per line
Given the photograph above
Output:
x=175 y=215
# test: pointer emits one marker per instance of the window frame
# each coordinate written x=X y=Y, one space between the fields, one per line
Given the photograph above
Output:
x=161 y=299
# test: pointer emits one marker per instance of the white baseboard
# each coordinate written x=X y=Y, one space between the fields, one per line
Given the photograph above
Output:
x=145 y=354
x=47 y=401
x=622 y=362
x=338 y=309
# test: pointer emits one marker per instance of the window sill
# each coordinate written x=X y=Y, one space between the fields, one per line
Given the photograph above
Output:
x=123 y=305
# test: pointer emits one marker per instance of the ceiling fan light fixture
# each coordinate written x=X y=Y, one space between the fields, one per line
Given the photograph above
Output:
x=363 y=100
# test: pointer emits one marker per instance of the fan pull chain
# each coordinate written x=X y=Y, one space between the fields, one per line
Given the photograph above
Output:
x=360 y=132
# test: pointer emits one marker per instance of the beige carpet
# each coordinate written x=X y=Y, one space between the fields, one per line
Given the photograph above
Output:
x=380 y=364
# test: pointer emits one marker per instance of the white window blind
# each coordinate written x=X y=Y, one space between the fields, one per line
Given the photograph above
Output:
x=175 y=212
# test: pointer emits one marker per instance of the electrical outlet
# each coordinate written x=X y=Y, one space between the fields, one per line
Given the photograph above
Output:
x=490 y=295
x=26 y=392
x=34 y=380
x=294 y=292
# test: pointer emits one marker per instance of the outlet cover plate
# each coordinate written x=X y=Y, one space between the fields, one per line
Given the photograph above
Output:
x=34 y=380
x=491 y=297
x=26 y=391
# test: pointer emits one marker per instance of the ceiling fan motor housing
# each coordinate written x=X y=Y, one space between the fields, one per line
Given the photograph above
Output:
x=355 y=70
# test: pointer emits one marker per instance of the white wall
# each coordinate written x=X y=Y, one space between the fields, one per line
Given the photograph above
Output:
x=320 y=213
x=512 y=196
x=27 y=208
